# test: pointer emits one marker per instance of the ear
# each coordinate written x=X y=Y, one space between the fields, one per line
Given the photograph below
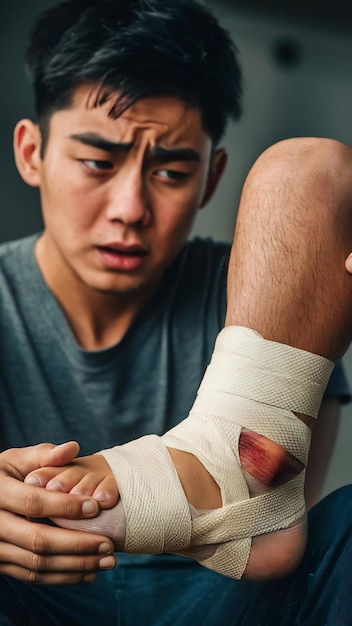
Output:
x=216 y=170
x=26 y=145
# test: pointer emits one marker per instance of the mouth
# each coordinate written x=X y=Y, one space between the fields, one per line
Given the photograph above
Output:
x=120 y=257
x=119 y=248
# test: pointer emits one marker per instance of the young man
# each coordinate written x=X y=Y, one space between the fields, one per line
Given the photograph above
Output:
x=109 y=317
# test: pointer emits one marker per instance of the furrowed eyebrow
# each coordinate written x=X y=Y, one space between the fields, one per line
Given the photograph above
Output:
x=96 y=141
x=175 y=154
x=166 y=155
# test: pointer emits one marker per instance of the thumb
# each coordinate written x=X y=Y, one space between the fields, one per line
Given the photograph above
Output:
x=18 y=462
x=56 y=456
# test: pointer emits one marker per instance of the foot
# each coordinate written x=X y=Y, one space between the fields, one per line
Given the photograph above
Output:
x=266 y=465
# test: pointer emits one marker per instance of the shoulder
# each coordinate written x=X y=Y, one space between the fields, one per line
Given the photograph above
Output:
x=201 y=248
x=16 y=265
x=7 y=249
x=12 y=250
x=196 y=282
x=206 y=259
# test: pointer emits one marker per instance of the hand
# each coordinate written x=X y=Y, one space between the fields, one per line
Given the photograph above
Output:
x=36 y=552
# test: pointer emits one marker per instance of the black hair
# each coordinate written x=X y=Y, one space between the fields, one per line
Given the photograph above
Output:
x=135 y=49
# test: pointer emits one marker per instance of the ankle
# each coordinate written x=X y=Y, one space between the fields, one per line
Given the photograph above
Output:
x=266 y=461
x=267 y=465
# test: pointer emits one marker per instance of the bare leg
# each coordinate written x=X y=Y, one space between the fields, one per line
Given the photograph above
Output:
x=287 y=280
x=287 y=277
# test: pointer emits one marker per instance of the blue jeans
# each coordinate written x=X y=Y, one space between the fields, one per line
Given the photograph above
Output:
x=179 y=592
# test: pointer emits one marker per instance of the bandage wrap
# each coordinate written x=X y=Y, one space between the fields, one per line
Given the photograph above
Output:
x=250 y=383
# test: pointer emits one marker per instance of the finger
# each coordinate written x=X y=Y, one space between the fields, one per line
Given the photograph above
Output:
x=41 y=538
x=48 y=563
x=348 y=264
x=46 y=578
x=61 y=455
x=18 y=462
x=35 y=502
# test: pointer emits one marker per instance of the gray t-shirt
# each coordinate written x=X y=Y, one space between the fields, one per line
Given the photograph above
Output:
x=53 y=390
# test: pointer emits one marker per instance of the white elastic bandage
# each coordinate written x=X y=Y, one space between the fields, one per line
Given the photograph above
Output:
x=250 y=383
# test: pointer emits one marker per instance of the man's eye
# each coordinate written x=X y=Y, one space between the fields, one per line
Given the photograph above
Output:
x=97 y=165
x=172 y=174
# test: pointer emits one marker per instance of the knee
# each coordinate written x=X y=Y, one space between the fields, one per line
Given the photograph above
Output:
x=305 y=185
x=310 y=162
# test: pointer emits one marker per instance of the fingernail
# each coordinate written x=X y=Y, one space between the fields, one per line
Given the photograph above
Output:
x=89 y=578
x=32 y=480
x=107 y=562
x=89 y=506
x=101 y=496
x=104 y=548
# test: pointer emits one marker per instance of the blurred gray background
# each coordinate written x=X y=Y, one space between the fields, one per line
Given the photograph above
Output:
x=296 y=58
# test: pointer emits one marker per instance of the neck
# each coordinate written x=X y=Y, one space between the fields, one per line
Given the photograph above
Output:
x=97 y=319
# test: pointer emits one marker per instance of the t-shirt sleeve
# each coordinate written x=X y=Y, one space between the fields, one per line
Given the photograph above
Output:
x=338 y=385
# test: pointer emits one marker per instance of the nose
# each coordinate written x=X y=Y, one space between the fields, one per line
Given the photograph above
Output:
x=128 y=202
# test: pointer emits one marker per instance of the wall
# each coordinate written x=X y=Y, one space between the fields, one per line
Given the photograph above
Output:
x=309 y=95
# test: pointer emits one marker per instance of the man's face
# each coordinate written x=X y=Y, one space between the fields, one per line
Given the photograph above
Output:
x=119 y=196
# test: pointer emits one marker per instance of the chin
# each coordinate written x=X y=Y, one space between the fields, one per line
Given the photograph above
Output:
x=121 y=284
x=112 y=289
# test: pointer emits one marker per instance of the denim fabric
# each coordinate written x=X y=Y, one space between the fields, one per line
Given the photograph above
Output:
x=181 y=593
